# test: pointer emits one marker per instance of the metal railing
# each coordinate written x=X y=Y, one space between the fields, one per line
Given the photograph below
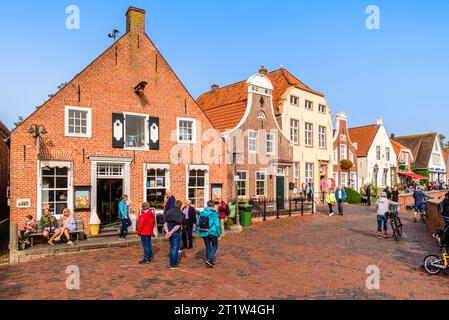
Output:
x=263 y=208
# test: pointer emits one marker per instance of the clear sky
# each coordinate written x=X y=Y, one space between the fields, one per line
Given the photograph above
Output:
x=400 y=72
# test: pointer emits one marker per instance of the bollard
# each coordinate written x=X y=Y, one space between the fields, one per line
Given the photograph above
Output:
x=13 y=243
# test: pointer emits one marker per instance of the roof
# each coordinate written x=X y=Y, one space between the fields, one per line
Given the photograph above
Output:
x=4 y=131
x=226 y=106
x=363 y=137
x=421 y=146
x=397 y=147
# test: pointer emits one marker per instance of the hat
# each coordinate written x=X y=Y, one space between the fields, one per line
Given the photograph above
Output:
x=383 y=194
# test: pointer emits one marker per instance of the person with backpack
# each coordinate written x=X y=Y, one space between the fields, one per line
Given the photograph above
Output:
x=174 y=218
x=187 y=227
x=223 y=213
x=145 y=229
x=209 y=229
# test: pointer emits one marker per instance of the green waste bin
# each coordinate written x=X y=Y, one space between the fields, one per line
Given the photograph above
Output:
x=246 y=215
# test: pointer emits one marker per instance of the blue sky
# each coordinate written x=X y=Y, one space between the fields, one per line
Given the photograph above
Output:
x=400 y=72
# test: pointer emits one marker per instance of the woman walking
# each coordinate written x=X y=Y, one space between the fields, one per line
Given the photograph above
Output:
x=145 y=230
x=330 y=200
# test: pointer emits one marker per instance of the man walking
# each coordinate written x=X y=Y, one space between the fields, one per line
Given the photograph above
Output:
x=420 y=202
x=340 y=196
x=170 y=201
x=189 y=222
x=208 y=224
x=174 y=218
x=124 y=217
x=368 y=195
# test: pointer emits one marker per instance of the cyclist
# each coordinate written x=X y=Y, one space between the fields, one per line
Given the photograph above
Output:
x=383 y=206
x=420 y=201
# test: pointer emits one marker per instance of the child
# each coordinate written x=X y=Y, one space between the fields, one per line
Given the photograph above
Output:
x=28 y=229
x=330 y=200
x=383 y=207
x=145 y=230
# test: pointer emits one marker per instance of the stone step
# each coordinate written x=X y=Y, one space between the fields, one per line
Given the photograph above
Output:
x=109 y=233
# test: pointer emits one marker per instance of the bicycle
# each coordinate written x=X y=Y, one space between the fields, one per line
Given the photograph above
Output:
x=396 y=224
x=423 y=212
x=434 y=264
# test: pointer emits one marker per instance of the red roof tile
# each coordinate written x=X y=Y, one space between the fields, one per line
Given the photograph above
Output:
x=397 y=147
x=363 y=137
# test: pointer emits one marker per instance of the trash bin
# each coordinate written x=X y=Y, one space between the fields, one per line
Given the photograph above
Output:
x=231 y=210
x=246 y=215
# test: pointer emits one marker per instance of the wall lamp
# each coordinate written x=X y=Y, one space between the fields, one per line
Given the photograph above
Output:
x=37 y=130
x=140 y=88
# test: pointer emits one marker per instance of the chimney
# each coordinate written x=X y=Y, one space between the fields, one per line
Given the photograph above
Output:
x=379 y=122
x=393 y=136
x=214 y=87
x=135 y=20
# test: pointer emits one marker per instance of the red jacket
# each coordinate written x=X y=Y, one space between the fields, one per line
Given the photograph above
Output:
x=222 y=210
x=146 y=223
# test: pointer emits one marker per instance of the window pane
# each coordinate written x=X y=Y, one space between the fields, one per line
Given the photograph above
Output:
x=48 y=182
x=62 y=171
x=48 y=171
x=61 y=182
x=135 y=131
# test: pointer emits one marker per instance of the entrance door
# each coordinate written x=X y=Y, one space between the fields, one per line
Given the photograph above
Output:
x=280 y=192
x=109 y=194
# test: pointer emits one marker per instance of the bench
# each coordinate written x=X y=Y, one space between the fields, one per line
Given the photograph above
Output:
x=79 y=230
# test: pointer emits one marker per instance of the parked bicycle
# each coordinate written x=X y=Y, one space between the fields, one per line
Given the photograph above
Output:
x=396 y=224
x=434 y=264
x=423 y=212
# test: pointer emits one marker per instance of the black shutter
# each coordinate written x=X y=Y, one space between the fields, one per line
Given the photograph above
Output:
x=118 y=130
x=153 y=127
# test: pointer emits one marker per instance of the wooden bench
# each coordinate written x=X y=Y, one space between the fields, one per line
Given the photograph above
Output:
x=79 y=230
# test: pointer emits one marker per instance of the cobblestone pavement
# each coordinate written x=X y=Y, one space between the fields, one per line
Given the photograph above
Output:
x=310 y=257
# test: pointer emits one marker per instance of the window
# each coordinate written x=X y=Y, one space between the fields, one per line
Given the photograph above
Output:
x=353 y=181
x=105 y=170
x=351 y=156
x=344 y=179
x=322 y=108
x=136 y=131
x=405 y=158
x=270 y=143
x=309 y=105
x=387 y=152
x=294 y=130
x=156 y=187
x=294 y=100
x=336 y=178
x=436 y=159
x=261 y=179
x=343 y=152
x=309 y=134
x=252 y=141
x=197 y=188
x=336 y=156
x=78 y=122
x=309 y=172
x=296 y=170
x=242 y=184
x=378 y=152
x=385 y=177
x=186 y=130
x=55 y=189
x=322 y=137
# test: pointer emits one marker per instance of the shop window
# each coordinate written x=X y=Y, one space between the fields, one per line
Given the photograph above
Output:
x=156 y=187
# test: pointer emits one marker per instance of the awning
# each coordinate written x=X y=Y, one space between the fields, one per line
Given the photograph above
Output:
x=414 y=175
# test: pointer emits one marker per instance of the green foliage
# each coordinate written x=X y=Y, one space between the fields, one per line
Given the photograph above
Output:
x=425 y=173
x=353 y=196
x=228 y=224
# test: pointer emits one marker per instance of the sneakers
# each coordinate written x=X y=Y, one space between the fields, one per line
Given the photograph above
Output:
x=174 y=268
x=209 y=264
x=70 y=244
x=331 y=214
x=385 y=235
x=50 y=242
x=58 y=238
x=121 y=239
x=144 y=262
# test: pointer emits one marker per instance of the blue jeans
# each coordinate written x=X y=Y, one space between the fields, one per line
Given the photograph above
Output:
x=147 y=248
x=125 y=224
x=381 y=219
x=175 y=243
x=211 y=243
x=340 y=206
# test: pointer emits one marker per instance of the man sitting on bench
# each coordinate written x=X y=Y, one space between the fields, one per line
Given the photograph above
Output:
x=49 y=226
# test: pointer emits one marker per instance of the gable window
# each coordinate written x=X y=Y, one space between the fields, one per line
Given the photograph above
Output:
x=387 y=152
x=322 y=137
x=242 y=184
x=136 y=132
x=378 y=152
x=322 y=108
x=270 y=143
x=78 y=122
x=309 y=105
x=343 y=152
x=197 y=188
x=309 y=134
x=252 y=141
x=294 y=127
x=294 y=100
x=261 y=180
x=186 y=130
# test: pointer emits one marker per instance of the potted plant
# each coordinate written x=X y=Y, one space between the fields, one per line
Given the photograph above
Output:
x=94 y=224
x=346 y=164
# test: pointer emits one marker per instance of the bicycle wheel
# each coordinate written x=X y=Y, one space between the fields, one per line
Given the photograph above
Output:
x=423 y=216
x=394 y=229
x=433 y=264
x=399 y=226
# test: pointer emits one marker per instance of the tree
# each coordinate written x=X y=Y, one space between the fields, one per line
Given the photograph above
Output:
x=18 y=122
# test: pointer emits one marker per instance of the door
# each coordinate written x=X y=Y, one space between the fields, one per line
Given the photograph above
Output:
x=280 y=193
x=109 y=194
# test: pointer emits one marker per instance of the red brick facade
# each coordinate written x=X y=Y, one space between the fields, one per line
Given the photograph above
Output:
x=4 y=171
x=107 y=87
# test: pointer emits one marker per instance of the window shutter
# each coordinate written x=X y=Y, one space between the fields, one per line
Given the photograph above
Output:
x=153 y=127
x=118 y=130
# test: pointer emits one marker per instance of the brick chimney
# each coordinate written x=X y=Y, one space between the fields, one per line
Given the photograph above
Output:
x=135 y=20
x=214 y=87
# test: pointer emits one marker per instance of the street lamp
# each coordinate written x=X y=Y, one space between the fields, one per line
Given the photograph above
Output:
x=236 y=181
x=37 y=131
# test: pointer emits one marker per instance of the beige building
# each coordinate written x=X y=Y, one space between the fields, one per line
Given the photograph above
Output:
x=305 y=117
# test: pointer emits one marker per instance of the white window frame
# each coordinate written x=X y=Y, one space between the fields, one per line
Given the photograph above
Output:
x=308 y=103
x=344 y=179
x=246 y=196
x=307 y=132
x=194 y=133
x=146 y=130
x=294 y=131
x=295 y=170
x=336 y=156
x=353 y=176
x=322 y=137
x=322 y=108
x=88 y=133
x=205 y=168
x=155 y=166
x=351 y=156
x=378 y=153
x=307 y=177
x=252 y=139
x=336 y=178
x=273 y=143
x=293 y=97
x=344 y=154
x=387 y=154
x=264 y=181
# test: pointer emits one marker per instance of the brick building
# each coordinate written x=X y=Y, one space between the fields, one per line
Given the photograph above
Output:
x=345 y=154
x=262 y=155
x=4 y=171
x=124 y=125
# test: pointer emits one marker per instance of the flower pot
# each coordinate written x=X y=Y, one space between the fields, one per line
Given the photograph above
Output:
x=94 y=229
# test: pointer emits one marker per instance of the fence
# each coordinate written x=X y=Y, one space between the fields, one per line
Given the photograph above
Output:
x=275 y=208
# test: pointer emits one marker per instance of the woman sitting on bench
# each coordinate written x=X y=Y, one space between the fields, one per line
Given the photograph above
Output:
x=68 y=226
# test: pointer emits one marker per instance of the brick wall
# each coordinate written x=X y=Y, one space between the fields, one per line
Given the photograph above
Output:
x=4 y=172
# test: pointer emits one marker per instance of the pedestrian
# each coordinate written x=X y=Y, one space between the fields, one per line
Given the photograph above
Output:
x=324 y=189
x=145 y=230
x=188 y=224
x=223 y=213
x=420 y=201
x=49 y=226
x=68 y=226
x=383 y=207
x=170 y=201
x=340 y=196
x=330 y=200
x=388 y=192
x=29 y=228
x=208 y=224
x=123 y=214
x=368 y=195
x=174 y=218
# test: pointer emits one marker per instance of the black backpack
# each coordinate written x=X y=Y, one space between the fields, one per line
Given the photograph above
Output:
x=444 y=207
x=204 y=225
x=227 y=211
